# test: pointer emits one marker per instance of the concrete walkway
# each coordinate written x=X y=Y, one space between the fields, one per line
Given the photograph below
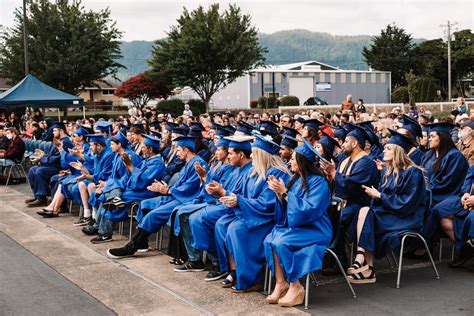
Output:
x=146 y=284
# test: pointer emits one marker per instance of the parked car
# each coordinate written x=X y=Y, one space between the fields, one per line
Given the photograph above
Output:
x=315 y=101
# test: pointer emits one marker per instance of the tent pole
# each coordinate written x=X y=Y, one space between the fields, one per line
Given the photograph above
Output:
x=84 y=111
x=59 y=115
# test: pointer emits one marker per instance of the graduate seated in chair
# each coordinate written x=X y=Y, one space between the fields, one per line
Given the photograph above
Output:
x=297 y=243
x=47 y=165
x=154 y=213
x=240 y=234
x=466 y=240
x=357 y=170
x=180 y=242
x=398 y=204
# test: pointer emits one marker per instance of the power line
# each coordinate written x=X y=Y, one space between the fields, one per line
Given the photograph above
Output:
x=448 y=33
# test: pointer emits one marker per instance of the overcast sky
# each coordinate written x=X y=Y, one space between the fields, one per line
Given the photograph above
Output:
x=151 y=19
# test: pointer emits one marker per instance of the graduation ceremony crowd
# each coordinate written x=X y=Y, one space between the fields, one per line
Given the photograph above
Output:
x=252 y=190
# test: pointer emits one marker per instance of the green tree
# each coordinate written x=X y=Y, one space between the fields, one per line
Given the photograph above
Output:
x=462 y=58
x=68 y=46
x=431 y=61
x=391 y=51
x=208 y=50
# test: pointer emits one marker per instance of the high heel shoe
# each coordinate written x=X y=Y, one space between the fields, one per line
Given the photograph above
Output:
x=294 y=301
x=275 y=296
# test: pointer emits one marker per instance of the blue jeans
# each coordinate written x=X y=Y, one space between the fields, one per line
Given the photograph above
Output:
x=193 y=253
x=6 y=162
x=103 y=224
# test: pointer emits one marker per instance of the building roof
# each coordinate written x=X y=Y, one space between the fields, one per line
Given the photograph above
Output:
x=101 y=85
x=308 y=66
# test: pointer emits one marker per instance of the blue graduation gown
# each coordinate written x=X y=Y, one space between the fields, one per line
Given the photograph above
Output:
x=303 y=229
x=448 y=179
x=66 y=182
x=40 y=176
x=165 y=152
x=416 y=156
x=134 y=185
x=468 y=229
x=401 y=207
x=185 y=189
x=349 y=187
x=175 y=164
x=205 y=154
x=217 y=173
x=203 y=222
x=243 y=231
x=450 y=207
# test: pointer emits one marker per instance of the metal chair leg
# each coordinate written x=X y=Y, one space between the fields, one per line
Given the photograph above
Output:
x=306 y=292
x=429 y=254
x=394 y=258
x=400 y=262
x=269 y=284
x=440 y=249
x=204 y=257
x=157 y=241
x=266 y=278
x=453 y=251
x=342 y=271
x=121 y=228
x=389 y=261
x=161 y=238
x=131 y=222
x=9 y=175
x=70 y=207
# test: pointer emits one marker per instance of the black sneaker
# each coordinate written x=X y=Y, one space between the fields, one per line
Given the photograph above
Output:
x=83 y=221
x=190 y=266
x=116 y=202
x=90 y=230
x=101 y=239
x=126 y=251
x=214 y=274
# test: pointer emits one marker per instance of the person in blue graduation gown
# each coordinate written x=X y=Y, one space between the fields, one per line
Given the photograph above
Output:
x=154 y=213
x=174 y=163
x=297 y=243
x=398 y=204
x=449 y=214
x=166 y=143
x=287 y=146
x=466 y=239
x=47 y=165
x=240 y=233
x=180 y=243
x=356 y=170
x=340 y=135
x=376 y=148
x=412 y=129
x=202 y=223
x=445 y=166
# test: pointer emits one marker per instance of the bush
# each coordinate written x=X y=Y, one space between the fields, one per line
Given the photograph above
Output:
x=400 y=95
x=253 y=103
x=175 y=107
x=290 y=100
x=266 y=102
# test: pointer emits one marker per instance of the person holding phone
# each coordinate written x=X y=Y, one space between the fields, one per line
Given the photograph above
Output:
x=155 y=212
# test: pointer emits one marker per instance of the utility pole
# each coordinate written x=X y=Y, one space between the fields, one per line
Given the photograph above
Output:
x=448 y=32
x=25 y=42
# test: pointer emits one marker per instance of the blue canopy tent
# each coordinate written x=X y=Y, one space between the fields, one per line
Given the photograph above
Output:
x=31 y=92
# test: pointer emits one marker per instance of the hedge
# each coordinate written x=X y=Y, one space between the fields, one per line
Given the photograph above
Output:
x=290 y=100
x=175 y=107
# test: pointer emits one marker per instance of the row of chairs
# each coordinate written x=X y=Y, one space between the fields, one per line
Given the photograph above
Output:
x=31 y=145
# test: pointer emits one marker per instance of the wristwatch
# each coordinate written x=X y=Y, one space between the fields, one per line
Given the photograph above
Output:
x=284 y=195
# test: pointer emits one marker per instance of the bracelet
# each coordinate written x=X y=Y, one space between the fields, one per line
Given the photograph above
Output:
x=284 y=196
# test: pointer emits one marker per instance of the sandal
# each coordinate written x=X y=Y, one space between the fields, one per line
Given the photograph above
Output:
x=358 y=267
x=359 y=278
x=176 y=261
x=229 y=282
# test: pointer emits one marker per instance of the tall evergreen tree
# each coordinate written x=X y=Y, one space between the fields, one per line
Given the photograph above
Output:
x=68 y=46
x=207 y=50
x=391 y=51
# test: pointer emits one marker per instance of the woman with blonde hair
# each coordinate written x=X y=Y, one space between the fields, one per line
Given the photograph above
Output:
x=398 y=204
x=240 y=233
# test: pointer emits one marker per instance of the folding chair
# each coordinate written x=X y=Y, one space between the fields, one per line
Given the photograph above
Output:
x=19 y=167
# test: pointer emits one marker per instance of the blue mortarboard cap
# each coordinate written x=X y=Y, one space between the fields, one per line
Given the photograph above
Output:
x=170 y=126
x=313 y=123
x=186 y=127
x=359 y=133
x=268 y=128
x=196 y=126
x=289 y=141
x=96 y=138
x=223 y=132
x=290 y=131
x=412 y=125
x=215 y=126
x=308 y=151
x=240 y=143
x=194 y=133
x=155 y=133
x=245 y=128
x=103 y=126
x=180 y=131
x=152 y=141
x=140 y=127
x=229 y=128
x=156 y=126
x=58 y=125
x=328 y=142
x=81 y=131
x=223 y=142
x=369 y=128
x=266 y=144
x=122 y=139
x=441 y=127
x=400 y=140
x=186 y=141
x=340 y=132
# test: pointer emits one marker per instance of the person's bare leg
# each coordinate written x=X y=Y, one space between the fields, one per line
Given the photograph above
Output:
x=85 y=199
x=281 y=285
x=448 y=227
x=360 y=224
x=52 y=205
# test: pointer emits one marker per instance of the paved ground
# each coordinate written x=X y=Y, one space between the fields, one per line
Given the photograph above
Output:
x=147 y=284
x=30 y=287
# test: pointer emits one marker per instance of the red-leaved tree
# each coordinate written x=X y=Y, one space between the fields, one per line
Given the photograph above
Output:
x=140 y=89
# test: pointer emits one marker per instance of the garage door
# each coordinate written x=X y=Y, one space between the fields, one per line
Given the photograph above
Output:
x=302 y=87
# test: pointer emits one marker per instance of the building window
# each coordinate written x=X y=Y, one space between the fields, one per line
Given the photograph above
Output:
x=108 y=91
x=276 y=95
x=333 y=77
x=353 y=77
x=255 y=78
x=343 y=77
x=363 y=77
x=278 y=77
x=322 y=77
x=373 y=78
x=382 y=78
x=266 y=78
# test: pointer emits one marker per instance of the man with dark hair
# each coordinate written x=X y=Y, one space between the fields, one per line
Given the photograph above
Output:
x=15 y=150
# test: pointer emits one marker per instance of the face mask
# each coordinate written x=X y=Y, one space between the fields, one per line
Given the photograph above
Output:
x=9 y=136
